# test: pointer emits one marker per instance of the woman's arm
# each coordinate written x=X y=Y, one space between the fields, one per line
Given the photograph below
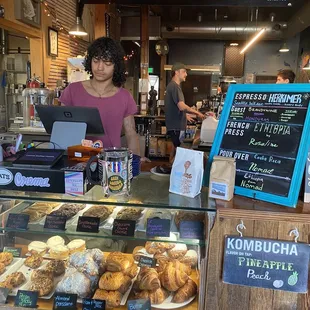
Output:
x=131 y=134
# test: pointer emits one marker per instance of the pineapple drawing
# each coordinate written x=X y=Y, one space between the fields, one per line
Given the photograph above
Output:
x=293 y=279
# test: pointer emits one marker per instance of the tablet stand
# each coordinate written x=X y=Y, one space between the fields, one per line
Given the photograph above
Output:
x=65 y=134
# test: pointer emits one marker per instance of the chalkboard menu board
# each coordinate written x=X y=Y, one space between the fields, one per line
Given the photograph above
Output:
x=266 y=129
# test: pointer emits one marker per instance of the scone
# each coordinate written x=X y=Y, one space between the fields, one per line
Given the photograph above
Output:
x=112 y=298
x=42 y=285
x=41 y=273
x=34 y=261
x=2 y=268
x=37 y=246
x=14 y=280
x=57 y=267
x=56 y=240
x=59 y=252
x=6 y=258
x=77 y=245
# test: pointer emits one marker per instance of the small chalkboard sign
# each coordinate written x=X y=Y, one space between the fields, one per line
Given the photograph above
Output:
x=88 y=224
x=4 y=292
x=64 y=301
x=17 y=252
x=147 y=261
x=139 y=304
x=93 y=304
x=156 y=227
x=17 y=221
x=191 y=230
x=27 y=299
x=256 y=124
x=124 y=228
x=55 y=222
x=273 y=264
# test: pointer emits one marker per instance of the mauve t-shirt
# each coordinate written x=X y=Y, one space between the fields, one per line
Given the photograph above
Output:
x=112 y=110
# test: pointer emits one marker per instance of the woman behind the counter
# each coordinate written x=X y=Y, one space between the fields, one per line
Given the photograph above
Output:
x=105 y=63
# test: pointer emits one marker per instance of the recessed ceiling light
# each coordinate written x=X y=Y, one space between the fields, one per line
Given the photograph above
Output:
x=234 y=44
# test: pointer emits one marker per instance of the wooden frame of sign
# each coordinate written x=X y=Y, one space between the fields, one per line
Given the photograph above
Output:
x=266 y=128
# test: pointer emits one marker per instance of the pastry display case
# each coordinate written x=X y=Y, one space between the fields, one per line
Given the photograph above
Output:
x=151 y=245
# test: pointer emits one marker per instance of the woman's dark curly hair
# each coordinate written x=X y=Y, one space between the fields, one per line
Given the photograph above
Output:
x=108 y=50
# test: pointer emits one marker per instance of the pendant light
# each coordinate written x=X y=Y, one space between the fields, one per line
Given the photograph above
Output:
x=77 y=29
x=284 y=48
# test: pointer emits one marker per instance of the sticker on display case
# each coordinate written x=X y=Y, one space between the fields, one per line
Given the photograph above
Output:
x=156 y=227
x=191 y=230
x=27 y=299
x=63 y=301
x=124 y=228
x=88 y=224
x=273 y=264
x=55 y=222
x=93 y=304
x=139 y=304
x=17 y=221
x=16 y=252
x=265 y=128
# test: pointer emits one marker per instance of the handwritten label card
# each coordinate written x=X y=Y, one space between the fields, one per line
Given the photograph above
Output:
x=15 y=251
x=139 y=304
x=27 y=299
x=55 y=222
x=88 y=224
x=158 y=227
x=191 y=230
x=17 y=221
x=147 y=261
x=93 y=304
x=124 y=228
x=273 y=264
x=64 y=301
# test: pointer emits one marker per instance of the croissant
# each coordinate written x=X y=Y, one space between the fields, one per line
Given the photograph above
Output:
x=132 y=271
x=185 y=292
x=112 y=281
x=148 y=279
x=152 y=247
x=172 y=279
x=157 y=297
x=112 y=298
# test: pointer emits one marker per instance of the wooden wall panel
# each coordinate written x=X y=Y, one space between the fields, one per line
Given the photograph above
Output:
x=67 y=46
x=260 y=224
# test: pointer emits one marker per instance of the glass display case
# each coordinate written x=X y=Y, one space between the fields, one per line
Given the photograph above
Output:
x=149 y=245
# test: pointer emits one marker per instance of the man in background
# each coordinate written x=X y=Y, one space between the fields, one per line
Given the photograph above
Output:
x=175 y=108
x=285 y=77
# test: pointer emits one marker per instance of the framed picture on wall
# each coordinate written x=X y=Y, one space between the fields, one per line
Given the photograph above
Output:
x=52 y=42
x=28 y=12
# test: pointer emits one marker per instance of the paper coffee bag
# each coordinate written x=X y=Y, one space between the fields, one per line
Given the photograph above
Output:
x=222 y=178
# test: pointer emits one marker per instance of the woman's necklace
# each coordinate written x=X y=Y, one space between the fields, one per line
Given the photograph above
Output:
x=100 y=94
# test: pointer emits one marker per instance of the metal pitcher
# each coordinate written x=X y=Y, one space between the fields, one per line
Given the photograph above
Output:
x=112 y=169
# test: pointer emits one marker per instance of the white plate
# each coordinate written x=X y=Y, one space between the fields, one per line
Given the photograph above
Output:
x=16 y=263
x=167 y=304
x=153 y=170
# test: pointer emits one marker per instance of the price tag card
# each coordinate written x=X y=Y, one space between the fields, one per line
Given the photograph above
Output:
x=147 y=261
x=55 y=222
x=4 y=292
x=191 y=230
x=15 y=251
x=139 y=304
x=158 y=227
x=88 y=224
x=27 y=299
x=93 y=304
x=17 y=221
x=124 y=228
x=64 y=301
